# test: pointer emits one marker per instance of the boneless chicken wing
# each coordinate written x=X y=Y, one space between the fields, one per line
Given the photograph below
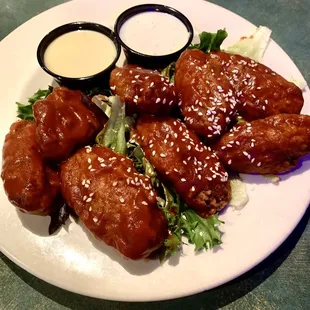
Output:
x=114 y=201
x=180 y=158
x=143 y=90
x=29 y=184
x=260 y=92
x=207 y=99
x=267 y=146
x=64 y=123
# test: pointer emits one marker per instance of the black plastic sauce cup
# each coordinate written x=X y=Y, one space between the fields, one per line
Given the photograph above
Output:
x=83 y=83
x=151 y=61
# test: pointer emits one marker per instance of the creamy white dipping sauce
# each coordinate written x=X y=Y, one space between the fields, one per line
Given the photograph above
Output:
x=154 y=33
x=79 y=53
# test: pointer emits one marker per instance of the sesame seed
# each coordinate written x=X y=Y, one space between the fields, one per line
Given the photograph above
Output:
x=152 y=84
x=95 y=219
x=114 y=183
x=83 y=182
x=259 y=164
x=157 y=100
x=137 y=76
x=88 y=149
x=193 y=188
x=163 y=155
x=91 y=194
x=144 y=203
x=84 y=198
x=133 y=81
x=86 y=185
x=122 y=200
x=183 y=180
x=90 y=167
x=102 y=165
x=153 y=153
x=229 y=162
x=89 y=199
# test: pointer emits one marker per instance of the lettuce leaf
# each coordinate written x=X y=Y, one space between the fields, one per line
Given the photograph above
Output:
x=202 y=232
x=253 y=46
x=169 y=201
x=210 y=42
x=239 y=195
x=113 y=134
x=24 y=111
x=169 y=72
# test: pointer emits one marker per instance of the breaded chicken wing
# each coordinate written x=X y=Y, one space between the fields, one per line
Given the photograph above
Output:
x=64 y=123
x=271 y=145
x=208 y=99
x=29 y=184
x=260 y=92
x=143 y=90
x=180 y=158
x=114 y=201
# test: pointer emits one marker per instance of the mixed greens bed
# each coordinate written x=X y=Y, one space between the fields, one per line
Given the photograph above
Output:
x=182 y=221
x=203 y=233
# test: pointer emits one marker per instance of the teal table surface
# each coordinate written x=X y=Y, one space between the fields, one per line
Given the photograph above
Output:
x=282 y=281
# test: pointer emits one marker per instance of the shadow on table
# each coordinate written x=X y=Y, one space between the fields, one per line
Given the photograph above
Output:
x=213 y=299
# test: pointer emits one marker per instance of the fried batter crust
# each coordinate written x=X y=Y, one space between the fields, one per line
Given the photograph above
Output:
x=260 y=91
x=143 y=90
x=29 y=184
x=208 y=101
x=114 y=201
x=267 y=146
x=181 y=159
x=64 y=123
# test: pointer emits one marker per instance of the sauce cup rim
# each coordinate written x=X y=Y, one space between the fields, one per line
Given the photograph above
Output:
x=142 y=8
x=75 y=26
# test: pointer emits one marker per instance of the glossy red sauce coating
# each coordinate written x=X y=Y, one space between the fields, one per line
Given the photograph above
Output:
x=208 y=101
x=143 y=90
x=267 y=146
x=29 y=184
x=180 y=158
x=114 y=201
x=64 y=123
x=260 y=92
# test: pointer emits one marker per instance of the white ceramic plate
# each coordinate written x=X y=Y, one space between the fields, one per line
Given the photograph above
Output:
x=74 y=260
